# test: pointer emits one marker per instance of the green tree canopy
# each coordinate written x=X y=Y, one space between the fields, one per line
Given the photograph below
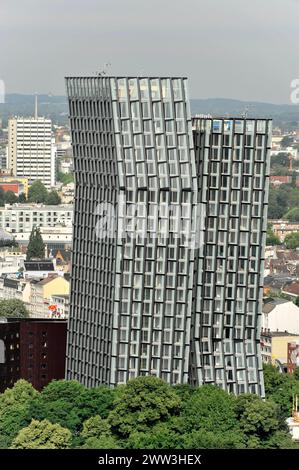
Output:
x=292 y=215
x=69 y=403
x=202 y=439
x=21 y=393
x=280 y=170
x=65 y=178
x=145 y=401
x=286 y=141
x=272 y=239
x=36 y=247
x=69 y=390
x=292 y=240
x=42 y=435
x=102 y=442
x=280 y=159
x=37 y=192
x=259 y=418
x=96 y=401
x=13 y=308
x=22 y=198
x=95 y=427
x=210 y=408
x=160 y=436
x=10 y=197
x=2 y=197
x=280 y=388
x=277 y=206
x=53 y=198
x=263 y=425
x=14 y=410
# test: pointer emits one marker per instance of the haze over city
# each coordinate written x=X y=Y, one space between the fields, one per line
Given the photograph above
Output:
x=232 y=49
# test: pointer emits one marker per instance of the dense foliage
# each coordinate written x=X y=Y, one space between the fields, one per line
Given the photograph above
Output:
x=146 y=414
x=36 y=247
x=65 y=178
x=292 y=240
x=38 y=193
x=8 y=197
x=13 y=308
x=284 y=203
x=42 y=435
x=272 y=239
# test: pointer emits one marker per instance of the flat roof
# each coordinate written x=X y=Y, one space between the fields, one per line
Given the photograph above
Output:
x=32 y=320
x=124 y=76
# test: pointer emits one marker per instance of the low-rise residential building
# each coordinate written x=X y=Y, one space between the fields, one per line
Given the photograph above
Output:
x=282 y=228
x=279 y=180
x=67 y=193
x=58 y=237
x=291 y=290
x=42 y=292
x=21 y=218
x=38 y=269
x=14 y=187
x=14 y=288
x=11 y=260
x=62 y=259
x=291 y=151
x=266 y=346
x=22 y=182
x=59 y=306
x=280 y=315
x=274 y=283
x=274 y=347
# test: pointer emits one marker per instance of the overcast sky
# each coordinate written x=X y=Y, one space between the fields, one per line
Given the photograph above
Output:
x=243 y=49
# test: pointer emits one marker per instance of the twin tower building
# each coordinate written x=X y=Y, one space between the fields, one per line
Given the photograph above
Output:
x=169 y=235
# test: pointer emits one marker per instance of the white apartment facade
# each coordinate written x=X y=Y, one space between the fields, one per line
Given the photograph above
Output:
x=31 y=151
x=10 y=261
x=21 y=218
x=13 y=288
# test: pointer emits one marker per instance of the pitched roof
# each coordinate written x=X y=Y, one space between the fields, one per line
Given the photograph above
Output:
x=46 y=280
x=292 y=288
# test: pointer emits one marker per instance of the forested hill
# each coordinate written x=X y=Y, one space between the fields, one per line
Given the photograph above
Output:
x=55 y=107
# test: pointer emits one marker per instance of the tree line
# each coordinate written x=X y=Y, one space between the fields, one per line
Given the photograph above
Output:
x=37 y=193
x=146 y=413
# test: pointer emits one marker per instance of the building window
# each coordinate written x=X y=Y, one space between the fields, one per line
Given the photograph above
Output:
x=2 y=352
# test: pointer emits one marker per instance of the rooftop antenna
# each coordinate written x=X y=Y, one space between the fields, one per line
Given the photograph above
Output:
x=103 y=72
x=245 y=112
x=35 y=108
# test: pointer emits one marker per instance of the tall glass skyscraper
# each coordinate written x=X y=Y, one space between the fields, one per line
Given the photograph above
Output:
x=169 y=229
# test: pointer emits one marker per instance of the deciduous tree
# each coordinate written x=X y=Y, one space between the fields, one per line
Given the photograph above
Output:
x=42 y=435
x=144 y=402
x=13 y=308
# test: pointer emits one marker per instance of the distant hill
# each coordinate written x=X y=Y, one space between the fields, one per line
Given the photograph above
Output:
x=55 y=107
x=283 y=115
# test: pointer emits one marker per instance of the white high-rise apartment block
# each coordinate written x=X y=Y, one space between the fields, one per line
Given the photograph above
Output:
x=30 y=149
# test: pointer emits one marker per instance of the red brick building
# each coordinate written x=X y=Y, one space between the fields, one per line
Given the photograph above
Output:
x=32 y=349
x=14 y=186
x=278 y=180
